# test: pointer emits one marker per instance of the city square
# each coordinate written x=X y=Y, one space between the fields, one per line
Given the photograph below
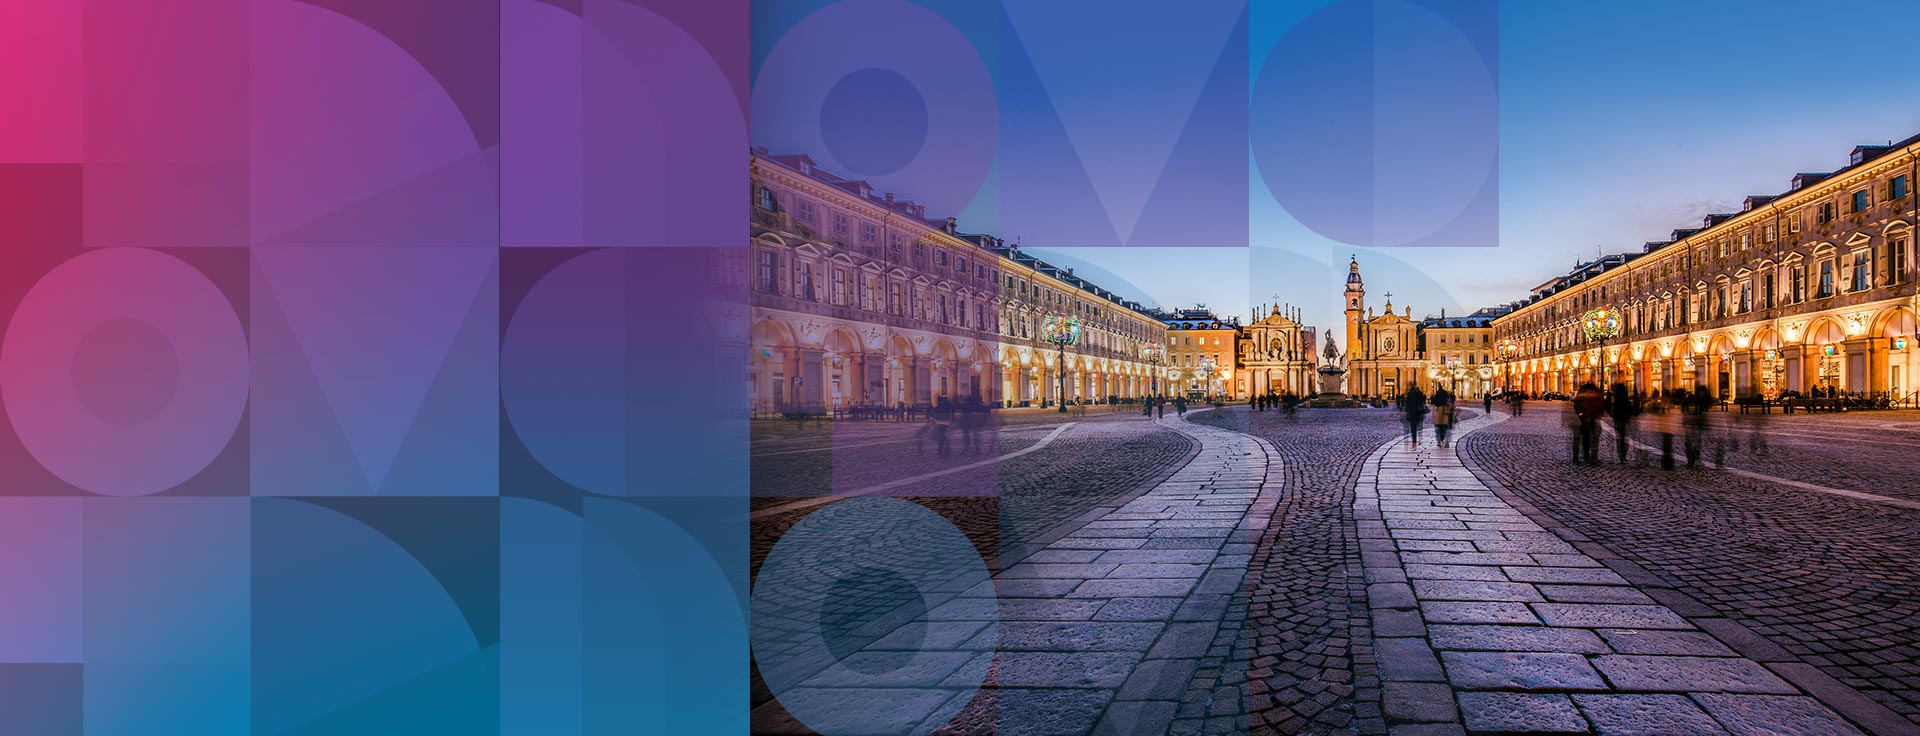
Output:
x=1677 y=497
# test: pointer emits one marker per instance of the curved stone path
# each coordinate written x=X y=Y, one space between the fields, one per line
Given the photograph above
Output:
x=1487 y=622
x=1120 y=626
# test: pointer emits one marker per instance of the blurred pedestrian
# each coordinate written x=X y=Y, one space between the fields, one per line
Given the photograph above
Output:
x=973 y=416
x=1413 y=404
x=1693 y=415
x=1622 y=408
x=940 y=420
x=1588 y=406
x=1486 y=403
x=1442 y=414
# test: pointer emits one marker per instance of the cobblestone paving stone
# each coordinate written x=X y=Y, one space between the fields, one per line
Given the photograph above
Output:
x=1151 y=656
x=1542 y=635
x=1094 y=463
x=1879 y=447
x=835 y=458
x=1818 y=586
x=1306 y=651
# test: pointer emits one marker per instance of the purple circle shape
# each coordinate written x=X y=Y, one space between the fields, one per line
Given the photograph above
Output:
x=74 y=335
x=1376 y=123
x=125 y=371
x=815 y=56
x=874 y=121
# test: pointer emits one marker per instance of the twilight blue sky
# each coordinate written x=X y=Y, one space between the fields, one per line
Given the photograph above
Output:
x=1618 y=122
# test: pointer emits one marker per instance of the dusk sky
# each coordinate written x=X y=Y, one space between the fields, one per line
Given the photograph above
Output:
x=1617 y=123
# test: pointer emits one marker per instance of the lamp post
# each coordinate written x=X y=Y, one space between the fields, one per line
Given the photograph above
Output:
x=1152 y=353
x=1508 y=348
x=1601 y=325
x=1062 y=330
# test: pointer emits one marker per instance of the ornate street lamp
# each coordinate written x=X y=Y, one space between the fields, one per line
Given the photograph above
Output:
x=1062 y=330
x=1601 y=325
x=1508 y=348
x=1153 y=353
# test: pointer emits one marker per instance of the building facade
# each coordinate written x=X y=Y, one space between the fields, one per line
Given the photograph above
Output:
x=1460 y=352
x=1201 y=348
x=1383 y=351
x=1277 y=355
x=859 y=299
x=1809 y=289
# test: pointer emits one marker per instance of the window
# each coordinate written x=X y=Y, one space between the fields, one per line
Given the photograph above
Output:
x=1799 y=278
x=1823 y=214
x=941 y=316
x=1767 y=288
x=803 y=280
x=1898 y=187
x=1686 y=309
x=940 y=258
x=1862 y=278
x=1746 y=241
x=1723 y=249
x=1861 y=200
x=894 y=250
x=839 y=292
x=763 y=271
x=763 y=198
x=1767 y=234
x=869 y=232
x=1720 y=302
x=1897 y=260
x=806 y=211
x=840 y=223
x=1746 y=297
x=1826 y=280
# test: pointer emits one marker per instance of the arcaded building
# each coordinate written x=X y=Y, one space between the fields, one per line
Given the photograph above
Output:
x=861 y=299
x=1811 y=288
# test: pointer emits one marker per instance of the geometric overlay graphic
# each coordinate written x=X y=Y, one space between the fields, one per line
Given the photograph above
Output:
x=261 y=471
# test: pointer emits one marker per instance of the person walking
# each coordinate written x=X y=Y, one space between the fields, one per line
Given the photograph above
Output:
x=1414 y=404
x=1621 y=408
x=1588 y=406
x=1442 y=415
x=1486 y=403
x=1180 y=405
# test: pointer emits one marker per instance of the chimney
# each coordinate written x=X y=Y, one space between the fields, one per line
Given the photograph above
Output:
x=889 y=197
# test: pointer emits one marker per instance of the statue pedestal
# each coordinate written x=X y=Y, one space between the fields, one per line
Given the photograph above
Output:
x=1330 y=396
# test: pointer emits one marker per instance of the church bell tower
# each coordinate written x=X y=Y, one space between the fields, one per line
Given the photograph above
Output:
x=1356 y=307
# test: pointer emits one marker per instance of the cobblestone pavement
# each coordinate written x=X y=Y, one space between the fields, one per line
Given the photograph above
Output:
x=1822 y=588
x=1860 y=451
x=1112 y=626
x=1307 y=648
x=840 y=458
x=1487 y=620
x=1093 y=463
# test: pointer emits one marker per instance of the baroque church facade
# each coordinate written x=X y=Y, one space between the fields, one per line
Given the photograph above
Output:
x=1382 y=351
x=1277 y=355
